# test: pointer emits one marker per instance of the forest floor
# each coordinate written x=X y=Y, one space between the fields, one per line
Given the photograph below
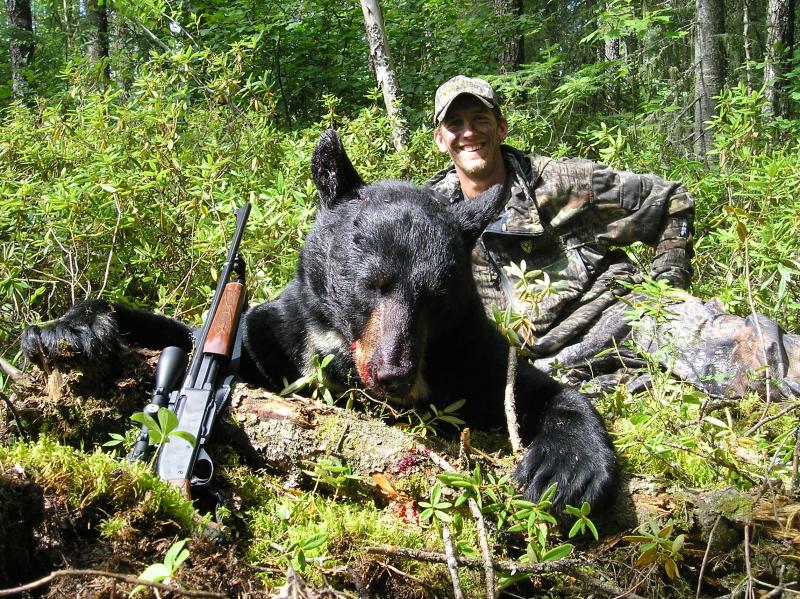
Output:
x=313 y=500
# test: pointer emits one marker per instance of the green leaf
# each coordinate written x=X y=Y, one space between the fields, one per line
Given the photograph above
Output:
x=671 y=568
x=315 y=541
x=549 y=493
x=559 y=552
x=578 y=527
x=593 y=528
x=167 y=420
x=116 y=439
x=646 y=558
x=186 y=436
x=151 y=425
x=443 y=516
x=455 y=406
x=155 y=573
x=171 y=559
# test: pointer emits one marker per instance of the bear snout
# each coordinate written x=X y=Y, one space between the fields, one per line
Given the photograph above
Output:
x=395 y=380
x=387 y=354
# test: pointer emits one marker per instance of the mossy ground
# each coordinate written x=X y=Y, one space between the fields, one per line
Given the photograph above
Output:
x=70 y=502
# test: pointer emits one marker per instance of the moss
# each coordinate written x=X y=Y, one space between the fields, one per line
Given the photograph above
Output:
x=415 y=484
x=96 y=478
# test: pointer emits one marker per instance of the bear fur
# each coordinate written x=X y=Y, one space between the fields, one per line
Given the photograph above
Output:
x=384 y=283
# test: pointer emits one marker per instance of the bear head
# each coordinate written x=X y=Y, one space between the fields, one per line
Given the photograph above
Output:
x=386 y=269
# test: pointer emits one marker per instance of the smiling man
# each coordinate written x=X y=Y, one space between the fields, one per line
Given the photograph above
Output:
x=552 y=257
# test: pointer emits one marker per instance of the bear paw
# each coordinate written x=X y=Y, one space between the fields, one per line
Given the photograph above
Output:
x=86 y=336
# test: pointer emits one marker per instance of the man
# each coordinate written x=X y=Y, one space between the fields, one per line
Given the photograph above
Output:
x=550 y=258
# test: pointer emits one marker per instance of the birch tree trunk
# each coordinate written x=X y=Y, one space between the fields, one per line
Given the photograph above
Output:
x=709 y=69
x=748 y=53
x=780 y=39
x=381 y=63
x=20 y=22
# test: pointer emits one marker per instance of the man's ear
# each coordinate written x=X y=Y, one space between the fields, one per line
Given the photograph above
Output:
x=502 y=128
x=438 y=137
x=331 y=169
x=473 y=216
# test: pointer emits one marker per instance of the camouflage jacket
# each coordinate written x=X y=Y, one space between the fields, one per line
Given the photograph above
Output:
x=564 y=219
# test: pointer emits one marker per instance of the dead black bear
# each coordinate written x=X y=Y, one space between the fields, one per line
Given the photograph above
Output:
x=384 y=284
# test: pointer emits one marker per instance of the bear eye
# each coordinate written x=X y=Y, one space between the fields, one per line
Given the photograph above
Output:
x=379 y=283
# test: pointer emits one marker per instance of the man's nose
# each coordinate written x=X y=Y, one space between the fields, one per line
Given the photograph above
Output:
x=468 y=130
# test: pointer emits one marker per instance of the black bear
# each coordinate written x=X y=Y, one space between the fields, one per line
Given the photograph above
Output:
x=384 y=284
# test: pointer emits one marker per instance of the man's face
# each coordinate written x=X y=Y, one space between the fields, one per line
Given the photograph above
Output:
x=471 y=133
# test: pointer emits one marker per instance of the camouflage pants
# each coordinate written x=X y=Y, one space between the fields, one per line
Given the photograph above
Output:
x=722 y=354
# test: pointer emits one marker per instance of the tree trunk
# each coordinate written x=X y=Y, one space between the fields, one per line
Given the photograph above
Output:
x=611 y=49
x=780 y=39
x=709 y=69
x=512 y=53
x=97 y=48
x=20 y=21
x=381 y=63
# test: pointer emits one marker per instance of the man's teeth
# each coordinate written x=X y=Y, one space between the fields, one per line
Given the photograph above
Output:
x=473 y=148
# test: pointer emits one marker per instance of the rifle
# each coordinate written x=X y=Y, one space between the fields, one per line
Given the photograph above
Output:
x=207 y=383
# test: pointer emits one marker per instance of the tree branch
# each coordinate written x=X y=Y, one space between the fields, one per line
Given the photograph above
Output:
x=93 y=573
x=565 y=566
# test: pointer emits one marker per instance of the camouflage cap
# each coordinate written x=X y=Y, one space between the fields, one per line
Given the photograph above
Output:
x=459 y=85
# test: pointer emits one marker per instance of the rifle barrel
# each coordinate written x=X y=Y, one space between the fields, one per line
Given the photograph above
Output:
x=241 y=220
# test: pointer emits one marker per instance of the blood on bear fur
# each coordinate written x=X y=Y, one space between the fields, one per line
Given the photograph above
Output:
x=384 y=283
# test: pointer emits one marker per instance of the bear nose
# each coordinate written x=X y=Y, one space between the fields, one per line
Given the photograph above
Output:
x=395 y=380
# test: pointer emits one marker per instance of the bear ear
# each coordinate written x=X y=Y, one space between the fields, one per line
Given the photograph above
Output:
x=333 y=173
x=474 y=215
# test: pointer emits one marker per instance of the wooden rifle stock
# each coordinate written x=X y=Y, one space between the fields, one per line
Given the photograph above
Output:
x=222 y=332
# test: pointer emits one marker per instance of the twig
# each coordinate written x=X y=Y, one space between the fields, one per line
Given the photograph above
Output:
x=711 y=405
x=749 y=593
x=451 y=560
x=511 y=413
x=111 y=248
x=796 y=456
x=762 y=421
x=427 y=586
x=464 y=447
x=486 y=553
x=705 y=556
x=438 y=460
x=12 y=372
x=770 y=466
x=361 y=589
x=123 y=577
x=483 y=537
x=566 y=566
x=751 y=301
x=14 y=413
x=751 y=477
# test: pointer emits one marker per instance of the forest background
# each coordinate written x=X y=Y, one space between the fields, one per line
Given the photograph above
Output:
x=169 y=114
x=131 y=131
